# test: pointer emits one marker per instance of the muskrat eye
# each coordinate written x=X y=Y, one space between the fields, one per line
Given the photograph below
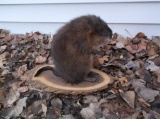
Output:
x=103 y=33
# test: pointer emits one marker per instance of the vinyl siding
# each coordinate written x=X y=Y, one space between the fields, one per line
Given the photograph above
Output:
x=47 y=16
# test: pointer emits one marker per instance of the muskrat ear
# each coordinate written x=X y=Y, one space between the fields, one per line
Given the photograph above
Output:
x=92 y=32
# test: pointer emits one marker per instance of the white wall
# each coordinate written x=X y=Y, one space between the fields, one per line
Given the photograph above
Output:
x=46 y=16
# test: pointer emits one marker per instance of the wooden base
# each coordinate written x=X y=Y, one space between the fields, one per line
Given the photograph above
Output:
x=47 y=81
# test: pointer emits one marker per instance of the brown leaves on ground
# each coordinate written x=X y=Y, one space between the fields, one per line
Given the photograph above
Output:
x=133 y=63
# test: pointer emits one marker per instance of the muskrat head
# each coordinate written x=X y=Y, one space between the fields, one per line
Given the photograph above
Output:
x=99 y=32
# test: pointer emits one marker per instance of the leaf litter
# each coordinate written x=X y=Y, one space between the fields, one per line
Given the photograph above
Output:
x=133 y=63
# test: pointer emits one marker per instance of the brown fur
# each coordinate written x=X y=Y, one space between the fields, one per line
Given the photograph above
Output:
x=73 y=45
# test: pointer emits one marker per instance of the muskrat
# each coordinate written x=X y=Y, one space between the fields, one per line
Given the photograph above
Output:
x=73 y=45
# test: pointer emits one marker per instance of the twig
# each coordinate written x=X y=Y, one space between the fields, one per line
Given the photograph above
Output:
x=128 y=32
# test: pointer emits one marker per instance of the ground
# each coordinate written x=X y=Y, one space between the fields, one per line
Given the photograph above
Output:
x=133 y=64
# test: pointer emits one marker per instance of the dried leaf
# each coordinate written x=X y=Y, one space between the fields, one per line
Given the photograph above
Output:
x=133 y=116
x=40 y=59
x=136 y=83
x=129 y=97
x=11 y=97
x=103 y=59
x=107 y=47
x=7 y=113
x=23 y=89
x=95 y=107
x=70 y=116
x=56 y=103
x=156 y=40
x=141 y=53
x=120 y=45
x=88 y=113
x=37 y=107
x=144 y=74
x=44 y=109
x=152 y=48
x=123 y=80
x=140 y=35
x=134 y=48
x=93 y=111
x=147 y=94
x=130 y=49
x=37 y=32
x=143 y=102
x=91 y=99
x=136 y=40
x=158 y=76
x=152 y=66
x=2 y=59
x=2 y=94
x=3 y=33
x=19 y=106
x=122 y=40
x=132 y=65
x=20 y=71
x=52 y=113
x=156 y=61
x=3 y=48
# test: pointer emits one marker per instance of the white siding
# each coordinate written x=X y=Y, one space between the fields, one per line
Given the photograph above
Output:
x=68 y=1
x=48 y=15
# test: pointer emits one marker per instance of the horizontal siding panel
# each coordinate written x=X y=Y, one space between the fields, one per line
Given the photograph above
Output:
x=68 y=1
x=122 y=29
x=143 y=13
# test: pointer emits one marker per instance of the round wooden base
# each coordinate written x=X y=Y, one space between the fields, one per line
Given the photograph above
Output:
x=47 y=81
